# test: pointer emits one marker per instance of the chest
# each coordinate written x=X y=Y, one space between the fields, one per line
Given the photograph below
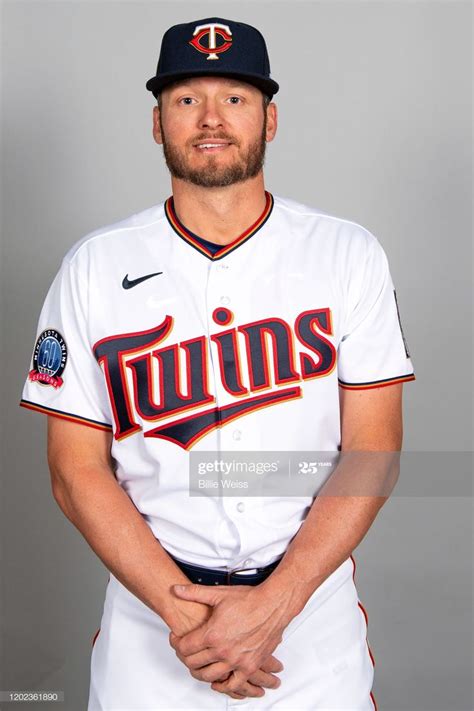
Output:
x=192 y=339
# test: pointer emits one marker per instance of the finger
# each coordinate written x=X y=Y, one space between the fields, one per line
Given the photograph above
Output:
x=238 y=684
x=192 y=642
x=245 y=690
x=173 y=639
x=194 y=669
x=213 y=672
x=272 y=664
x=234 y=696
x=224 y=677
x=201 y=659
x=267 y=681
x=198 y=593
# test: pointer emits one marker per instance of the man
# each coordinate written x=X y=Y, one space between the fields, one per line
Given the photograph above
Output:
x=223 y=320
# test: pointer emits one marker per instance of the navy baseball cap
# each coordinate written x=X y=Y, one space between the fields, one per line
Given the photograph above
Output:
x=214 y=47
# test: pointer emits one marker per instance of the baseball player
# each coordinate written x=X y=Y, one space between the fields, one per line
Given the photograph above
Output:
x=224 y=320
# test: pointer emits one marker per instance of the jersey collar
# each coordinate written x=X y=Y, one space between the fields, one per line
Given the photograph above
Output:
x=188 y=236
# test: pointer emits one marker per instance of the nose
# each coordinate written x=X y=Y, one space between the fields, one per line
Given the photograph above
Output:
x=210 y=116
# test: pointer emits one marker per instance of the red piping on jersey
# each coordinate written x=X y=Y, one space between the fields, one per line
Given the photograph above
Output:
x=372 y=658
x=66 y=416
x=376 y=383
x=97 y=633
x=183 y=232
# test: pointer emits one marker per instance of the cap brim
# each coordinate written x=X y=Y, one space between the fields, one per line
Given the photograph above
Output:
x=157 y=83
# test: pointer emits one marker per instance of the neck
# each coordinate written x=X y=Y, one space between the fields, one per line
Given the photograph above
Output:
x=219 y=215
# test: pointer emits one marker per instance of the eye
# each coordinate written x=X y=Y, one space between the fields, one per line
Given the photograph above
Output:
x=235 y=99
x=187 y=100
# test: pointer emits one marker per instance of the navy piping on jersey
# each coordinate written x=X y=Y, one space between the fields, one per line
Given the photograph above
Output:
x=213 y=247
x=65 y=415
x=202 y=245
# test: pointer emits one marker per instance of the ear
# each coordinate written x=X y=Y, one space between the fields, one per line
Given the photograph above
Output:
x=272 y=122
x=157 y=135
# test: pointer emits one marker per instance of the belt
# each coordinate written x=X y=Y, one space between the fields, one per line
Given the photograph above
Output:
x=212 y=576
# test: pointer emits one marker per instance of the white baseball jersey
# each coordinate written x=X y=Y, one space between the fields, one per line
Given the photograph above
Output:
x=145 y=333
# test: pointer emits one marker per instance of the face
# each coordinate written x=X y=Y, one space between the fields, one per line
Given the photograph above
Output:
x=213 y=130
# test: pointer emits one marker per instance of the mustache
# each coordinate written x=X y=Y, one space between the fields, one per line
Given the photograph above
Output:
x=209 y=137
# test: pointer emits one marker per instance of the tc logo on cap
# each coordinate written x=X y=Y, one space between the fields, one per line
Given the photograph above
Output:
x=212 y=31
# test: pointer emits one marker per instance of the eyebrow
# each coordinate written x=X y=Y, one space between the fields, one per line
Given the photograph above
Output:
x=230 y=83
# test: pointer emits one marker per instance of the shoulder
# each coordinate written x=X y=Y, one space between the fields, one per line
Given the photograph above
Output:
x=115 y=235
x=307 y=220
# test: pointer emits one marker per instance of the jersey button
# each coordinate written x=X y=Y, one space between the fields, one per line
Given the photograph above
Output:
x=224 y=300
x=237 y=434
x=240 y=507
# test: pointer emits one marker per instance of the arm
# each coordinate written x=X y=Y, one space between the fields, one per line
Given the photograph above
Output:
x=85 y=488
x=371 y=421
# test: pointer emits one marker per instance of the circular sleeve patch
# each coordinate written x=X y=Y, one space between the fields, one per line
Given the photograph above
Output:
x=49 y=359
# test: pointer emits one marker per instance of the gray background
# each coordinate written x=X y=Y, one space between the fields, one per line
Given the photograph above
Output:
x=375 y=126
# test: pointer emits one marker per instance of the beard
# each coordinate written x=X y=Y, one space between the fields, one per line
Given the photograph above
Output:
x=247 y=165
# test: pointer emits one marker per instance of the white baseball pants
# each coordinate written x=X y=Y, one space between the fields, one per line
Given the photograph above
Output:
x=328 y=664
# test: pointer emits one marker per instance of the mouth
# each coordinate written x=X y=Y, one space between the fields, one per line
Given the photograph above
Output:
x=212 y=146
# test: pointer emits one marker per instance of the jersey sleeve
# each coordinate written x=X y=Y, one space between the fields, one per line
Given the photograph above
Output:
x=64 y=379
x=372 y=351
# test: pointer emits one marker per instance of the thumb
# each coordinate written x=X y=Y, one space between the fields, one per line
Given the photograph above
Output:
x=198 y=593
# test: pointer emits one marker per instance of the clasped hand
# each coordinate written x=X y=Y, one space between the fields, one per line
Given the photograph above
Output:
x=233 y=648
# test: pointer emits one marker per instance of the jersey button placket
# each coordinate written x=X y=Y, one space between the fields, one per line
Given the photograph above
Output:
x=220 y=295
x=217 y=295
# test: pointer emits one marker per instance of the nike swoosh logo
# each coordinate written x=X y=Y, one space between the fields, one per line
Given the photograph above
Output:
x=130 y=283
